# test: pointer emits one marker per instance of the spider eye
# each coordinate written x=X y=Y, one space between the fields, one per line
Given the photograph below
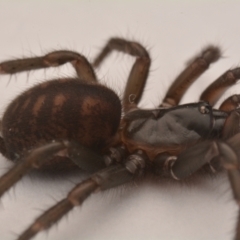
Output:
x=203 y=109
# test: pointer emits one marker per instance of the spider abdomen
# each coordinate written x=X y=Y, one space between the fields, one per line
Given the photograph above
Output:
x=65 y=109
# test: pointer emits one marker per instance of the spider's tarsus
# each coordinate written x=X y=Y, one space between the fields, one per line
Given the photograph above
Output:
x=47 y=219
x=194 y=69
x=210 y=53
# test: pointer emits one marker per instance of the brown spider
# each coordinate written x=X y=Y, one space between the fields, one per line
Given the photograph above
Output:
x=77 y=123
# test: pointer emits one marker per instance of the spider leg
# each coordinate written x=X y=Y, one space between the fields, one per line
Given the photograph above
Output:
x=194 y=158
x=231 y=103
x=231 y=126
x=53 y=59
x=194 y=69
x=217 y=155
x=107 y=178
x=232 y=123
x=230 y=156
x=33 y=160
x=82 y=156
x=219 y=86
x=139 y=73
x=3 y=149
x=162 y=164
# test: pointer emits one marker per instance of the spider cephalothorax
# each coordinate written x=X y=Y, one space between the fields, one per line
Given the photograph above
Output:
x=77 y=122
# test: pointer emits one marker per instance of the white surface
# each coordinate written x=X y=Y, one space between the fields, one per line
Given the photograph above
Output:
x=173 y=31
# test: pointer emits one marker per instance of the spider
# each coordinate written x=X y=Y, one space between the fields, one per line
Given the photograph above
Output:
x=72 y=123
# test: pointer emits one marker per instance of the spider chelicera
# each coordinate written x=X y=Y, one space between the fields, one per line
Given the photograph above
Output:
x=72 y=123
